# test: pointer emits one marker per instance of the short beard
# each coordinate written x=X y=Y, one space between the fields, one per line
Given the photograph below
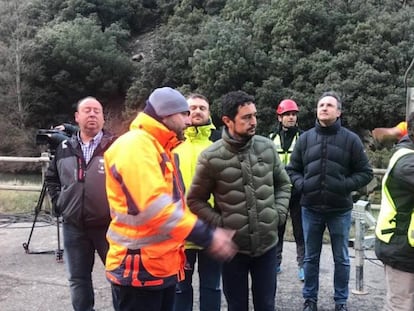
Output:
x=180 y=136
x=246 y=137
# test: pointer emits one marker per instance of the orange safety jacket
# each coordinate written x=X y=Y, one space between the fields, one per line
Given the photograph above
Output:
x=150 y=219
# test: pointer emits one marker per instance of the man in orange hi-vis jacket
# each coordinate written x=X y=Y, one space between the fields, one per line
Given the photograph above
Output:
x=150 y=218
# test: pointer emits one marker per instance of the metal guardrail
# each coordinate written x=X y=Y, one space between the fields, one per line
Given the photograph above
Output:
x=359 y=211
x=379 y=171
x=21 y=188
x=44 y=159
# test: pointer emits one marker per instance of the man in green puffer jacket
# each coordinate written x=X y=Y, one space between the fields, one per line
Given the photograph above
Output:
x=251 y=193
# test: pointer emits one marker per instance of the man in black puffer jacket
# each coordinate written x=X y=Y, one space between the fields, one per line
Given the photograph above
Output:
x=326 y=165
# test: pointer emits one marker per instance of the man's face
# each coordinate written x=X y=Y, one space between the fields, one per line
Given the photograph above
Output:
x=288 y=119
x=90 y=116
x=244 y=124
x=327 y=110
x=177 y=123
x=199 y=111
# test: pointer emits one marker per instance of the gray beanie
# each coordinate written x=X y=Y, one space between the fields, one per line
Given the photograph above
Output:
x=166 y=101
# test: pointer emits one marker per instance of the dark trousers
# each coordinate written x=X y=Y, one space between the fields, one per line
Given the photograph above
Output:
x=296 y=217
x=129 y=298
x=79 y=257
x=209 y=272
x=263 y=281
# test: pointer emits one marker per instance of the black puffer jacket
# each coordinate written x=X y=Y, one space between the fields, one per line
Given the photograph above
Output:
x=77 y=190
x=327 y=164
x=400 y=182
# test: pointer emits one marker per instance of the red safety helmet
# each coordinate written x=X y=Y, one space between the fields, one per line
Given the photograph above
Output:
x=287 y=105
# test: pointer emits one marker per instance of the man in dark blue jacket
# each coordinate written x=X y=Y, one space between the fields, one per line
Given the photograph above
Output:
x=326 y=165
x=76 y=184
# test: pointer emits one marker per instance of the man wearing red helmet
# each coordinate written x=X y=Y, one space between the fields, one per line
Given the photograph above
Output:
x=285 y=136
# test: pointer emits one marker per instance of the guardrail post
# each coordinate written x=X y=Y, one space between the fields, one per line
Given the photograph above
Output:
x=359 y=217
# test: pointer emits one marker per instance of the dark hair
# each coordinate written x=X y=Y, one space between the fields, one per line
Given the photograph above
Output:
x=231 y=102
x=197 y=95
x=410 y=126
x=334 y=95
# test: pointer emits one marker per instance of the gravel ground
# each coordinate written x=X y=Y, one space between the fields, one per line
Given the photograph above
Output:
x=36 y=281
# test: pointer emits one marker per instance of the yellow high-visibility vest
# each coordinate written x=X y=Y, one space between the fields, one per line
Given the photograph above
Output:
x=387 y=224
x=284 y=155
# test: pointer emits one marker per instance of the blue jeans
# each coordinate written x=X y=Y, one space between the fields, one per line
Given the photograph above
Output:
x=263 y=278
x=209 y=272
x=79 y=257
x=314 y=225
x=129 y=298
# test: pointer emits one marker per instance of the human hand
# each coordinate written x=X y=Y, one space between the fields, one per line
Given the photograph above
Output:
x=378 y=134
x=60 y=127
x=222 y=246
x=282 y=219
x=56 y=210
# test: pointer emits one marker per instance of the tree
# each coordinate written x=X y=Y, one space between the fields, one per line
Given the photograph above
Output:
x=322 y=45
x=373 y=59
x=61 y=50
x=132 y=15
x=167 y=54
x=14 y=34
x=77 y=59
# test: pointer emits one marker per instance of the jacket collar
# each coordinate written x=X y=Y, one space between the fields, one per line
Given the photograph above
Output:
x=233 y=144
x=199 y=132
x=167 y=138
x=328 y=130
x=107 y=139
x=405 y=142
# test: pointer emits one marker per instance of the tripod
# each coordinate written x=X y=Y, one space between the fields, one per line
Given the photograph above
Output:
x=59 y=251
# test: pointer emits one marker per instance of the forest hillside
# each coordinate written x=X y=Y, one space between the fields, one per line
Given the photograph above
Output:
x=54 y=52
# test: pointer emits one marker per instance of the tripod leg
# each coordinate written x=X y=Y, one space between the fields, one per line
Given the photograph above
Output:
x=59 y=251
x=37 y=211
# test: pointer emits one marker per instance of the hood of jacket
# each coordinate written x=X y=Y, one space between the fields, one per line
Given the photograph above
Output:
x=167 y=138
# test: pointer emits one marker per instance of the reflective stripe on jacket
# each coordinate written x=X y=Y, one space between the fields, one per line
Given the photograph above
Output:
x=150 y=220
x=388 y=224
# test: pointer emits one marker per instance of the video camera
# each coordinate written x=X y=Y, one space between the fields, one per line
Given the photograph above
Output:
x=53 y=137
